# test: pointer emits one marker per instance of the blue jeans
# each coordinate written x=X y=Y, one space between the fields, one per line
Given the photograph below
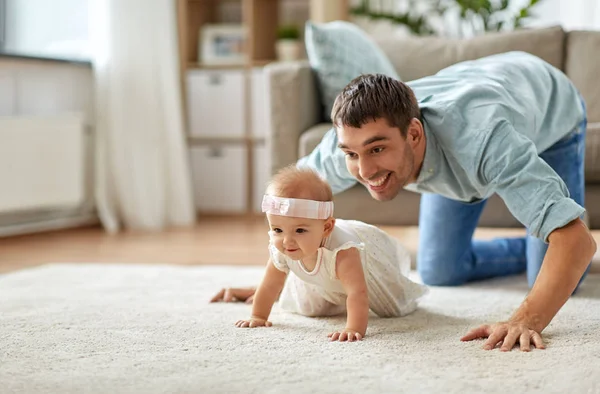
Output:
x=448 y=256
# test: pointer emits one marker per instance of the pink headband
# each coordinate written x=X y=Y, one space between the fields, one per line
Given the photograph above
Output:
x=308 y=209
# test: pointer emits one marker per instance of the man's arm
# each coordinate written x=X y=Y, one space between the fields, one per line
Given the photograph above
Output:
x=570 y=251
x=538 y=198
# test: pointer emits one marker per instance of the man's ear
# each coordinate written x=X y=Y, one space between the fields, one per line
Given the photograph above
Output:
x=328 y=226
x=414 y=132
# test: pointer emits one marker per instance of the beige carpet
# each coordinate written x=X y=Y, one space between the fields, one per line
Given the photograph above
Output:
x=149 y=329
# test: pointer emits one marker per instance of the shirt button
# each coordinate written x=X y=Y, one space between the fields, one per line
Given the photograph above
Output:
x=431 y=170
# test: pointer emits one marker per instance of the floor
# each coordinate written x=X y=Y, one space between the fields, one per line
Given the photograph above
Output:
x=96 y=329
x=216 y=240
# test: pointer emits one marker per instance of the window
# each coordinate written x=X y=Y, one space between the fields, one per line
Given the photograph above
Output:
x=57 y=28
x=2 y=22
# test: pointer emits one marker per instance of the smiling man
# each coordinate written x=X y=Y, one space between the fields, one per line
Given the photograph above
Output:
x=508 y=124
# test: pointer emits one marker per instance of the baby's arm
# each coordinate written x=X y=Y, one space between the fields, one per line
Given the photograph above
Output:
x=350 y=272
x=266 y=295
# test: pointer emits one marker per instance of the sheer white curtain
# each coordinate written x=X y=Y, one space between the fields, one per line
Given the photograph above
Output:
x=143 y=175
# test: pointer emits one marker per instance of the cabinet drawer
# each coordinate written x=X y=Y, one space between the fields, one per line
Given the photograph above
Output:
x=216 y=103
x=261 y=175
x=219 y=176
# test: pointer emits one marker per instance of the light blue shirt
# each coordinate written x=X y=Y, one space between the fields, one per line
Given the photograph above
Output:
x=486 y=121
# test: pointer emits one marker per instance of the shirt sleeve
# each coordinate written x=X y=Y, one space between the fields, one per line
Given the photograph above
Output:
x=330 y=257
x=278 y=259
x=330 y=162
x=531 y=189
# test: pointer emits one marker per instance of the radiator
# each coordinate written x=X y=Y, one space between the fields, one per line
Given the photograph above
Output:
x=42 y=163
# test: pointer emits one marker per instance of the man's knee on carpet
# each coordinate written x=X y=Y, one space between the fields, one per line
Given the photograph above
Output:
x=440 y=271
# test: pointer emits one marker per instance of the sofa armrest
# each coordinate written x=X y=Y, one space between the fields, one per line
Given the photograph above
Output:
x=293 y=106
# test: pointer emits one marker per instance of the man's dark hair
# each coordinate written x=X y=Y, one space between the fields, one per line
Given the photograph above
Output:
x=375 y=96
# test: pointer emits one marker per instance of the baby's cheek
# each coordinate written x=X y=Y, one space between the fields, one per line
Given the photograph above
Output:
x=278 y=242
x=310 y=245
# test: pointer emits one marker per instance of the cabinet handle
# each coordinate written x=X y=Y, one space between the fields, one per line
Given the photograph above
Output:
x=215 y=151
x=215 y=79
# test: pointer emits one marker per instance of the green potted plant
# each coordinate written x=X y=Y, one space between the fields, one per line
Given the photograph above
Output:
x=288 y=43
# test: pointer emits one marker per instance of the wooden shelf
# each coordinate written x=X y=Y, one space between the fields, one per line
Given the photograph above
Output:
x=254 y=63
x=262 y=63
x=193 y=65
x=260 y=20
x=225 y=140
x=259 y=17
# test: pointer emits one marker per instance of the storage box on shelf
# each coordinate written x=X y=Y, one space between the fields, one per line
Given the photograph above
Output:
x=230 y=163
x=226 y=105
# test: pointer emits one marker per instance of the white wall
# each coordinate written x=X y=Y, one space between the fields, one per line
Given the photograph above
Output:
x=57 y=28
x=571 y=14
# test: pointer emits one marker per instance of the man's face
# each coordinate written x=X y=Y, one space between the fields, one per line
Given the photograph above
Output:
x=378 y=156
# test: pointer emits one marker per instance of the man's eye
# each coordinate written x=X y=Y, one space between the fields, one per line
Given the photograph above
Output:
x=351 y=155
x=377 y=150
x=300 y=230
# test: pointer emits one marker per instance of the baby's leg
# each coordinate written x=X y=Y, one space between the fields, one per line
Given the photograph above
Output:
x=305 y=299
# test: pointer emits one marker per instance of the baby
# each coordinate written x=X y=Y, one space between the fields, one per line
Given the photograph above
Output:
x=338 y=265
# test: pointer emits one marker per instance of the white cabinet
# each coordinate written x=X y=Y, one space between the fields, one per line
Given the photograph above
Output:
x=215 y=103
x=47 y=90
x=219 y=174
x=46 y=138
x=42 y=163
x=220 y=143
x=261 y=174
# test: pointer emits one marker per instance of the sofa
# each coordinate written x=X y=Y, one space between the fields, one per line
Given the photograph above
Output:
x=298 y=123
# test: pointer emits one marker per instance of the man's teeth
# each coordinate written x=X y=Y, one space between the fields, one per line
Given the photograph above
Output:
x=378 y=182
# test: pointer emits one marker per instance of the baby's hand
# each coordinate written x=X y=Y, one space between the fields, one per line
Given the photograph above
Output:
x=346 y=334
x=253 y=322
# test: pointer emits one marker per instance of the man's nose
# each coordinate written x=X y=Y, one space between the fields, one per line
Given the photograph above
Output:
x=366 y=168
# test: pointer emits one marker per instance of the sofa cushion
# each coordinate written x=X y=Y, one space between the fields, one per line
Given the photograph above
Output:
x=311 y=138
x=582 y=65
x=326 y=157
x=416 y=57
x=592 y=153
x=339 y=52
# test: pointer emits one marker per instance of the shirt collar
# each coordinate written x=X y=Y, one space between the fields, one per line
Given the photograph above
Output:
x=430 y=161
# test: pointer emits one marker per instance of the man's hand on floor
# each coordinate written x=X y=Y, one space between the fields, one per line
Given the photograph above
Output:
x=233 y=294
x=507 y=334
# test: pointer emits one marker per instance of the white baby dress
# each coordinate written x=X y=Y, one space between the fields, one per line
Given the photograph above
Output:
x=385 y=262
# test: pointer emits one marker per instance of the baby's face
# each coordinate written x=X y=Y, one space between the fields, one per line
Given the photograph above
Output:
x=297 y=238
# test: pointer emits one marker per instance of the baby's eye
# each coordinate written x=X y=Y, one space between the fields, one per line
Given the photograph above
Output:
x=300 y=230
x=277 y=230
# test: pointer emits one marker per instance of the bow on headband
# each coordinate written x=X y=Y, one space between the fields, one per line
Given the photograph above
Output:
x=295 y=207
x=275 y=205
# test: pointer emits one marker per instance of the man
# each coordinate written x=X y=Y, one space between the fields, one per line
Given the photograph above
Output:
x=509 y=124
